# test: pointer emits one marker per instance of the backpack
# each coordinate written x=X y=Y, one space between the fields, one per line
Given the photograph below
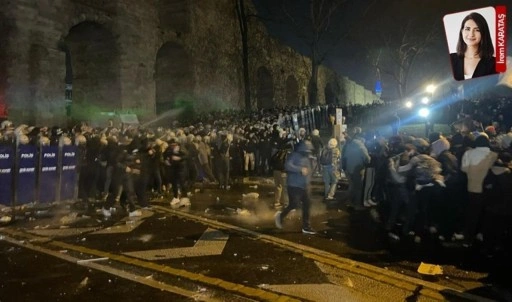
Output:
x=326 y=157
x=278 y=159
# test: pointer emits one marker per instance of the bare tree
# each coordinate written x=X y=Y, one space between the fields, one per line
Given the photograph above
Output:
x=401 y=49
x=315 y=27
x=399 y=41
x=244 y=35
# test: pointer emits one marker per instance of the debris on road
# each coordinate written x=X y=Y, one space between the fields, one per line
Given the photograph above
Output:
x=430 y=269
x=250 y=196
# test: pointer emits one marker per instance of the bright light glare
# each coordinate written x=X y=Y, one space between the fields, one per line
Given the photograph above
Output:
x=425 y=100
x=408 y=104
x=431 y=88
x=424 y=112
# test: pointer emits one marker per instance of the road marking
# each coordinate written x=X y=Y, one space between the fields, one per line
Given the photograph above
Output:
x=124 y=225
x=115 y=272
x=322 y=292
x=211 y=243
x=241 y=289
x=61 y=232
x=428 y=290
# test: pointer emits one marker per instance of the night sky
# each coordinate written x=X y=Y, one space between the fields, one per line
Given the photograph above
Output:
x=361 y=27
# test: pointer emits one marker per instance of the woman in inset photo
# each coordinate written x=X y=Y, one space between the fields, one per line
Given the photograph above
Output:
x=475 y=51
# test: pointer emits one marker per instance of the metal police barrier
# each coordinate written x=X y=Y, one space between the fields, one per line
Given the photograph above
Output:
x=26 y=174
x=48 y=174
x=69 y=173
x=6 y=175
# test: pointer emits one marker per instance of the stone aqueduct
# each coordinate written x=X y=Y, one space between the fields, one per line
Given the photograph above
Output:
x=143 y=56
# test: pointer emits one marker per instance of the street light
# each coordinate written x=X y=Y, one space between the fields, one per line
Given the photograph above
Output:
x=425 y=100
x=408 y=104
x=424 y=112
x=431 y=89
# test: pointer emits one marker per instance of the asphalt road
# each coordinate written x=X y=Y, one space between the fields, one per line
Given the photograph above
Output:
x=225 y=248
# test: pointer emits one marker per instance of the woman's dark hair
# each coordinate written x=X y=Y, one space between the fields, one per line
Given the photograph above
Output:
x=485 y=49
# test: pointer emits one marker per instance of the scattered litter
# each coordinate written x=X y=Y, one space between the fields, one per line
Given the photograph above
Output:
x=217 y=199
x=5 y=219
x=149 y=277
x=235 y=254
x=264 y=285
x=64 y=227
x=83 y=239
x=45 y=227
x=253 y=187
x=86 y=217
x=31 y=219
x=252 y=195
x=325 y=222
x=207 y=210
x=162 y=218
x=92 y=260
x=197 y=190
x=264 y=267
x=63 y=251
x=350 y=283
x=42 y=212
x=84 y=282
x=185 y=202
x=146 y=238
x=430 y=269
x=202 y=289
x=243 y=212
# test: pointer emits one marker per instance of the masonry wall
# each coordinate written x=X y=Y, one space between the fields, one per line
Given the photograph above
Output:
x=142 y=56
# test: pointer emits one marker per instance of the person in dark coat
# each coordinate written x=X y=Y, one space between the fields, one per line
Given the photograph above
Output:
x=176 y=160
x=298 y=169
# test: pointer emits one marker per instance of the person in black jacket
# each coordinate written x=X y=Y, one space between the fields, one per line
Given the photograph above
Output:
x=475 y=51
x=175 y=159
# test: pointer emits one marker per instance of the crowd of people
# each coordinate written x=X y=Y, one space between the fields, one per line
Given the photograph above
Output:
x=456 y=186
x=130 y=164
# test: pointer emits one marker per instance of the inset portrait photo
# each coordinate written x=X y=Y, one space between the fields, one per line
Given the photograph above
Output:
x=472 y=42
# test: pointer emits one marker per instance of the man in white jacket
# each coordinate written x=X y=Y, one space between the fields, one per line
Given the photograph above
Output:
x=476 y=164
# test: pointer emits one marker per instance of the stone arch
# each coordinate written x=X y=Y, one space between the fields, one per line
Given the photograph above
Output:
x=265 y=89
x=292 y=91
x=93 y=66
x=174 y=76
x=330 y=97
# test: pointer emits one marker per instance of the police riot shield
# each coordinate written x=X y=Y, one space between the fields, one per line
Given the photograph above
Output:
x=48 y=174
x=6 y=175
x=69 y=172
x=26 y=174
